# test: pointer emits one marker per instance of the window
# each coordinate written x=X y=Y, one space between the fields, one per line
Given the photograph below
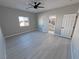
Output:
x=23 y=21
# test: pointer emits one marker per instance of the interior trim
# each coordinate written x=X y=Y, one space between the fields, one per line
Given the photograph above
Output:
x=20 y=33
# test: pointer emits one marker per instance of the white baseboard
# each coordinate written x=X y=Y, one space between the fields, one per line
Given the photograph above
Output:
x=63 y=36
x=20 y=33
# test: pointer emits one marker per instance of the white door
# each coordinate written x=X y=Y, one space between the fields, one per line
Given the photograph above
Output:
x=67 y=25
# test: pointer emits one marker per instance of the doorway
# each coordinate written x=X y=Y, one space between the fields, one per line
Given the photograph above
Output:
x=51 y=24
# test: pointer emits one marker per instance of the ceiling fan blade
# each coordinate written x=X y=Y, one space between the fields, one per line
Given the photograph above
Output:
x=40 y=7
x=39 y=3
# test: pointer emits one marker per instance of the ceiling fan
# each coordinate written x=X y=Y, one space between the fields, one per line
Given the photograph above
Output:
x=35 y=5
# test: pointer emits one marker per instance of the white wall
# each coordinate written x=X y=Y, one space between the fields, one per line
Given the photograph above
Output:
x=2 y=46
x=59 y=12
x=10 y=22
x=75 y=42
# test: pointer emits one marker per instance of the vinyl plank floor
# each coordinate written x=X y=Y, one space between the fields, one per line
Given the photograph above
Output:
x=38 y=45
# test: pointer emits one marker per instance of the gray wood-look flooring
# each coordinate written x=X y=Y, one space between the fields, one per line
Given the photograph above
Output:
x=37 y=45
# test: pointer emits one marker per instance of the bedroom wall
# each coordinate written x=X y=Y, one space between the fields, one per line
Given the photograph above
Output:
x=10 y=21
x=2 y=43
x=2 y=46
x=59 y=12
x=75 y=42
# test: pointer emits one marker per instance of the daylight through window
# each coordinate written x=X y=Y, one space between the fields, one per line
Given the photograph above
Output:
x=23 y=21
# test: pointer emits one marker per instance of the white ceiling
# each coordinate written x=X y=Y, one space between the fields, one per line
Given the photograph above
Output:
x=48 y=4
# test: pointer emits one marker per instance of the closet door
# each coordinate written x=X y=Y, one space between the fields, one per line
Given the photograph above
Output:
x=67 y=25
